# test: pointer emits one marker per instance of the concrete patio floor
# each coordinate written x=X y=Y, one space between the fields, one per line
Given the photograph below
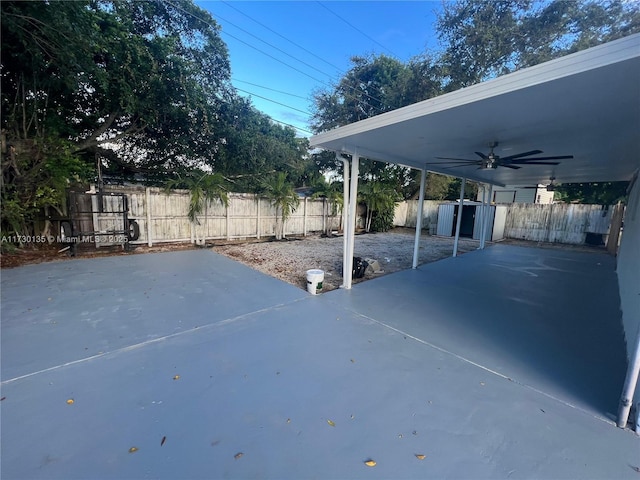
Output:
x=502 y=363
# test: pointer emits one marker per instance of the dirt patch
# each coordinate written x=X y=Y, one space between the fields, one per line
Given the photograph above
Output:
x=288 y=260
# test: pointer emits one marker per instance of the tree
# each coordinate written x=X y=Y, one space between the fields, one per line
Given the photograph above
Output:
x=137 y=83
x=280 y=193
x=380 y=200
x=253 y=145
x=604 y=193
x=333 y=201
x=204 y=189
x=483 y=40
x=373 y=85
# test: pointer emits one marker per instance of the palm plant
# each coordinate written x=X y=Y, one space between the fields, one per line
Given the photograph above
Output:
x=332 y=194
x=378 y=198
x=281 y=194
x=204 y=188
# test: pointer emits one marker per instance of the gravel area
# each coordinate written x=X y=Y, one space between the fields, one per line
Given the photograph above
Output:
x=289 y=259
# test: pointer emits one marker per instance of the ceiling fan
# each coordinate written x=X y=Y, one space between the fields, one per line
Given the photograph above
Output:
x=492 y=161
x=550 y=187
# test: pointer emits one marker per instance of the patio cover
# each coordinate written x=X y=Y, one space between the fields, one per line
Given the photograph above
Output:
x=586 y=104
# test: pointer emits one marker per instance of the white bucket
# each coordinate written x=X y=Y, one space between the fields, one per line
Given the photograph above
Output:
x=314 y=281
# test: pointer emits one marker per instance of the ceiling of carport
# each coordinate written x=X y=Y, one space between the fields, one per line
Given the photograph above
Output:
x=586 y=104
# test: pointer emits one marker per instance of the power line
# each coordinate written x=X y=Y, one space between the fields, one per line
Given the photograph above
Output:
x=269 y=88
x=272 y=46
x=357 y=29
x=340 y=71
x=178 y=7
x=274 y=101
x=292 y=126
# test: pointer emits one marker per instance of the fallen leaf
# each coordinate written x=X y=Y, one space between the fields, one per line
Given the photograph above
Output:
x=370 y=463
x=420 y=456
x=133 y=449
x=176 y=377
x=331 y=422
x=1 y=399
x=70 y=401
x=482 y=383
x=353 y=361
x=238 y=455
x=164 y=439
x=288 y=420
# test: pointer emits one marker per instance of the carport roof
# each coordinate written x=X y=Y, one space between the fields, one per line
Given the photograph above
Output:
x=586 y=104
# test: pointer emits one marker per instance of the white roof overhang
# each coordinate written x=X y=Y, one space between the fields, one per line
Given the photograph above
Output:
x=586 y=104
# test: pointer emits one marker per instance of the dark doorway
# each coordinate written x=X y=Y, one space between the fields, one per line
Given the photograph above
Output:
x=468 y=220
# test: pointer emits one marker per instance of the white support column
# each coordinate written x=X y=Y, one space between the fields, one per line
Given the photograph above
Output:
x=487 y=218
x=148 y=208
x=353 y=204
x=304 y=218
x=482 y=214
x=228 y=223
x=459 y=220
x=416 y=243
x=630 y=383
x=258 y=217
x=345 y=217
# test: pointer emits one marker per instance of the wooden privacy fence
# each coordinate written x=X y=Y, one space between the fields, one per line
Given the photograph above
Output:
x=556 y=223
x=162 y=217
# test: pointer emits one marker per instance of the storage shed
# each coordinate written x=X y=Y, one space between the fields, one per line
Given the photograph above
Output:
x=471 y=224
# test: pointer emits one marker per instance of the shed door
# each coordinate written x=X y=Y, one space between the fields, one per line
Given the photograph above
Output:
x=445 y=220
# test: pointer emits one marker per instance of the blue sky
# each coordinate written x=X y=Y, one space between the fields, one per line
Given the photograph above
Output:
x=299 y=46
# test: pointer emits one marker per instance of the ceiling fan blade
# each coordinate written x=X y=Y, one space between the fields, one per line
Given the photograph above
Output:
x=532 y=163
x=514 y=167
x=520 y=155
x=459 y=159
x=482 y=155
x=555 y=157
x=465 y=165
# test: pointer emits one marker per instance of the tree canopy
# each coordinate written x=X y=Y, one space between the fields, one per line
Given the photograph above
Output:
x=141 y=87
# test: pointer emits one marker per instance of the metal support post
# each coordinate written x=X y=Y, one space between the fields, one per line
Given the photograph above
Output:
x=416 y=244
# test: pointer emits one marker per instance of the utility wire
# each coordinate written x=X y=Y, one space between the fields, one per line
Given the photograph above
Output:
x=286 y=64
x=271 y=45
x=274 y=101
x=269 y=88
x=292 y=126
x=178 y=7
x=357 y=29
x=340 y=71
